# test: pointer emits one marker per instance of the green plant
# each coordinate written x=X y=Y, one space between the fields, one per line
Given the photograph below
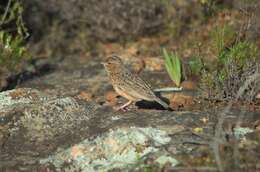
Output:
x=12 y=51
x=222 y=37
x=211 y=7
x=12 y=18
x=235 y=64
x=238 y=55
x=173 y=66
x=12 y=34
x=240 y=52
x=196 y=65
x=236 y=60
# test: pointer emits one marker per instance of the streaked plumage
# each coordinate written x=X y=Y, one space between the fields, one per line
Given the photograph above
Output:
x=129 y=85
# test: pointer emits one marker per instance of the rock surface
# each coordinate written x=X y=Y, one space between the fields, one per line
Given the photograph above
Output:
x=37 y=129
x=47 y=122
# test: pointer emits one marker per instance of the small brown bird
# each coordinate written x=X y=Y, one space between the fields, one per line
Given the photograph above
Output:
x=128 y=84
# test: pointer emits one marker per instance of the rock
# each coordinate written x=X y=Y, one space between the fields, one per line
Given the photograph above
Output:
x=10 y=99
x=37 y=123
x=137 y=65
x=133 y=50
x=109 y=48
x=111 y=97
x=87 y=96
x=189 y=85
x=4 y=75
x=154 y=63
x=115 y=149
x=3 y=83
x=32 y=118
x=1 y=138
x=180 y=100
x=43 y=131
x=134 y=63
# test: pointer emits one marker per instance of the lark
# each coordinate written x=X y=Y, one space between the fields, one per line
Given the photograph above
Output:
x=128 y=84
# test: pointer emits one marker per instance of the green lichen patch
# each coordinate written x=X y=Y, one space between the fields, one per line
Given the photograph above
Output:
x=165 y=159
x=121 y=148
x=53 y=117
x=240 y=132
x=17 y=96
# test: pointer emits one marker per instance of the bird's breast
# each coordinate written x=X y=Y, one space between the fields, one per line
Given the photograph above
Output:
x=124 y=93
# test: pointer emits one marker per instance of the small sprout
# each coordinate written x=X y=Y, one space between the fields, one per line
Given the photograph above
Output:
x=173 y=66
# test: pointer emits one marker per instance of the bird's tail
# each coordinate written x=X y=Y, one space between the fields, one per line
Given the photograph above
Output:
x=165 y=105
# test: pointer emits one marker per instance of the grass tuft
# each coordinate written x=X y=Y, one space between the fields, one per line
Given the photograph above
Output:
x=222 y=37
x=173 y=66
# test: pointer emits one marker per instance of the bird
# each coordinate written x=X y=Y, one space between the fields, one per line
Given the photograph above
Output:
x=129 y=85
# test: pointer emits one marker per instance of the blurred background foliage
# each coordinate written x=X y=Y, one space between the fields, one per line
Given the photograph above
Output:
x=12 y=36
x=214 y=36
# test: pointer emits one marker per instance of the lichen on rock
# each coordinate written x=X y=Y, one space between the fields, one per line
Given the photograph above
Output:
x=121 y=148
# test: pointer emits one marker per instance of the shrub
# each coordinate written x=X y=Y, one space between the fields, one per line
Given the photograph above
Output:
x=12 y=35
x=234 y=66
x=12 y=51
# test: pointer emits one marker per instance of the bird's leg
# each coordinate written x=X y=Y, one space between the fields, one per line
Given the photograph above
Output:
x=124 y=106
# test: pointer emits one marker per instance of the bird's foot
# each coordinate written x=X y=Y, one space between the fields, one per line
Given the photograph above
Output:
x=124 y=107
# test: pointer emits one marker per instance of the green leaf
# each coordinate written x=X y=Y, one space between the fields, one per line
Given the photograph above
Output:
x=173 y=66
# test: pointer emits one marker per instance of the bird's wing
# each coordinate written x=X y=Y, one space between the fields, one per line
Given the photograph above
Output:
x=138 y=87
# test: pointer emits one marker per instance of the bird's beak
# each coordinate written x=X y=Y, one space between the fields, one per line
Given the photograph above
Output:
x=103 y=63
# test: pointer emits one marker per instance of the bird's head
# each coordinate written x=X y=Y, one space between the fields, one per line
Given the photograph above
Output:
x=113 y=63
